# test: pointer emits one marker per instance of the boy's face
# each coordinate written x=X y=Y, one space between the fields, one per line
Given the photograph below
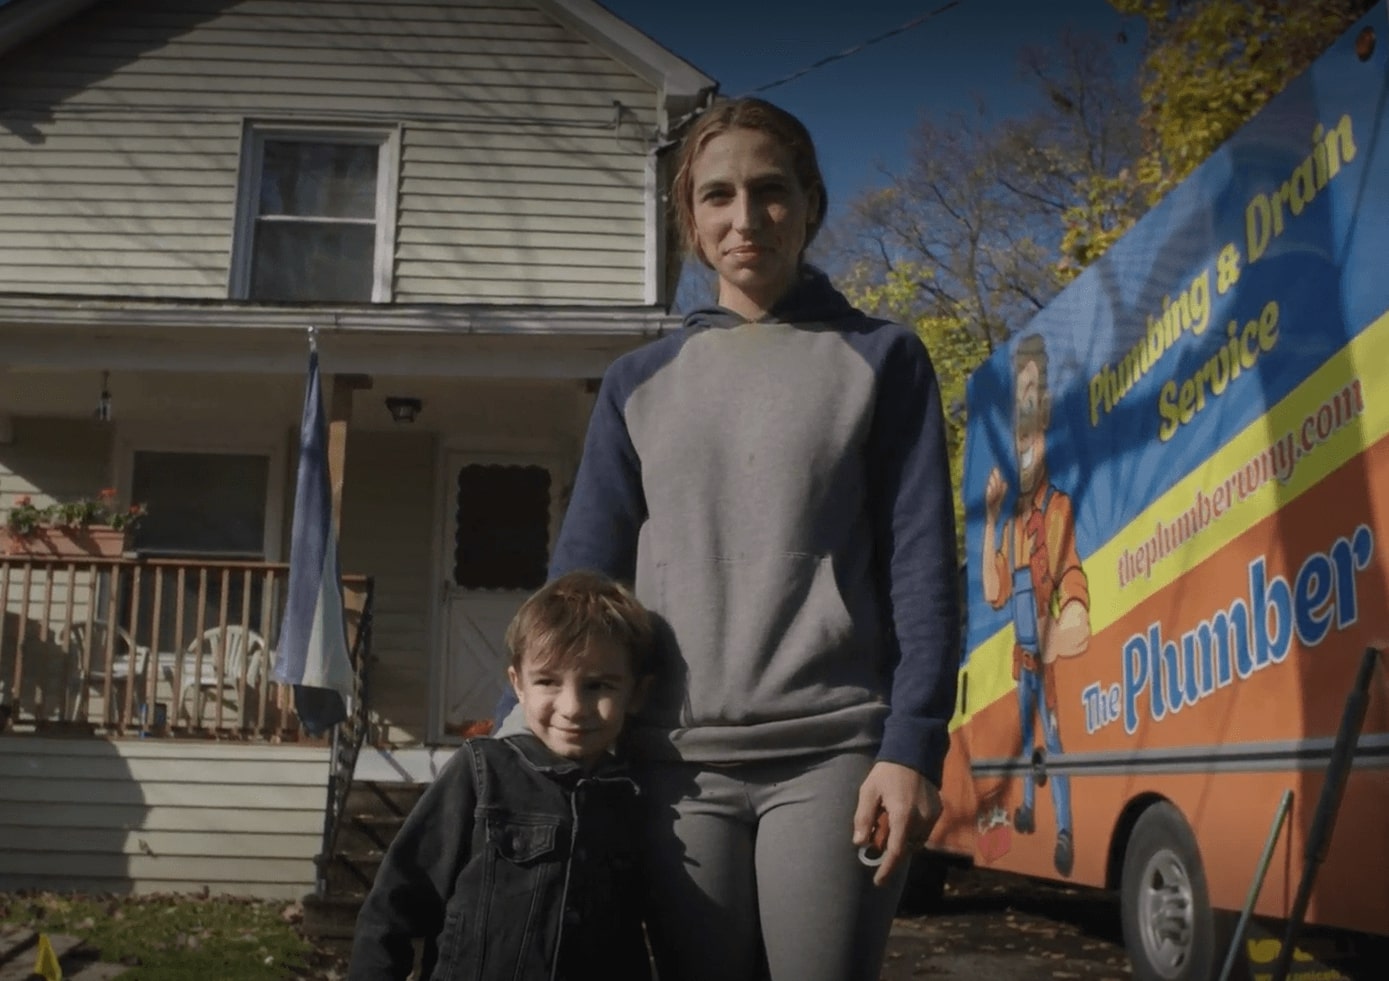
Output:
x=577 y=706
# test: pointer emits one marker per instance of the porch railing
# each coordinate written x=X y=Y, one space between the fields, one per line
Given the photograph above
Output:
x=154 y=647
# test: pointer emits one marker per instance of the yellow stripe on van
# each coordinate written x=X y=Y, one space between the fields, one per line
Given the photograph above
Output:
x=988 y=675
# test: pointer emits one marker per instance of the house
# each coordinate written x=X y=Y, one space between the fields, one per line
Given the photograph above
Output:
x=465 y=199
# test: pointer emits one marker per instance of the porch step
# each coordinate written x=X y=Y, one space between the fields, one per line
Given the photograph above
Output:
x=331 y=917
x=373 y=815
x=368 y=831
x=350 y=874
x=378 y=799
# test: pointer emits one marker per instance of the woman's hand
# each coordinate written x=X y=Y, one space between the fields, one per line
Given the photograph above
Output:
x=911 y=804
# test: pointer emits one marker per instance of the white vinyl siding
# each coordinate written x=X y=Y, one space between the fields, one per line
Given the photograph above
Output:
x=55 y=459
x=525 y=200
x=521 y=181
x=388 y=528
x=149 y=816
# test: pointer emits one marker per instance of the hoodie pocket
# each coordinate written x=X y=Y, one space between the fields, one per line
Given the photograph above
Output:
x=762 y=637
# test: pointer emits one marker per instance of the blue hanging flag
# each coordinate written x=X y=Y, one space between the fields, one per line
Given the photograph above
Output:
x=312 y=652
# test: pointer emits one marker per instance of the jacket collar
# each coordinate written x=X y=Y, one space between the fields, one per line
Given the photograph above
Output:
x=538 y=757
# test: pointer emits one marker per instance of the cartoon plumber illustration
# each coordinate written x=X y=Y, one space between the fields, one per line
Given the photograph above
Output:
x=1036 y=573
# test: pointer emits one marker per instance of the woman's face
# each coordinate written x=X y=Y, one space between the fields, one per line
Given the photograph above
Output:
x=750 y=218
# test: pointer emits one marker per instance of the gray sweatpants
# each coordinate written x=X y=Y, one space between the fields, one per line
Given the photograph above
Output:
x=757 y=858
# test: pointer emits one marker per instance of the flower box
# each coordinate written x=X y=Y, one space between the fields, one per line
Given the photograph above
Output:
x=66 y=542
x=90 y=527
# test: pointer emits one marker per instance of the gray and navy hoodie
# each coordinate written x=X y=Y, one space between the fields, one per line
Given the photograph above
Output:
x=778 y=492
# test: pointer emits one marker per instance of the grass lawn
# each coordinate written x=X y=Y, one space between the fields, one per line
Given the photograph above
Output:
x=178 y=938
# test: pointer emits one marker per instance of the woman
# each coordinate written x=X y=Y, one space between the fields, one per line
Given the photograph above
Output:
x=773 y=479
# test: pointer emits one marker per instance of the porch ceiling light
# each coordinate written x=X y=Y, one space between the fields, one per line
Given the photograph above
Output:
x=403 y=408
x=103 y=402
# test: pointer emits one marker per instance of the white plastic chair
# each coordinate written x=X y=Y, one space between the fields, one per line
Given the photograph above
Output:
x=128 y=661
x=243 y=646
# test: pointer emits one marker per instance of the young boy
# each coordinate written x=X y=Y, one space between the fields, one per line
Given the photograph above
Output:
x=520 y=861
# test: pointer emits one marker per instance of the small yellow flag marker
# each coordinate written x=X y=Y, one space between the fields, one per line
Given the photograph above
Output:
x=46 y=965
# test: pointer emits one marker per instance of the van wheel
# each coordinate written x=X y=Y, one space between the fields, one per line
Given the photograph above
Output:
x=1170 y=929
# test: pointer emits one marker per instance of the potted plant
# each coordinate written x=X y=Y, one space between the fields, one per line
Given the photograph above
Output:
x=89 y=526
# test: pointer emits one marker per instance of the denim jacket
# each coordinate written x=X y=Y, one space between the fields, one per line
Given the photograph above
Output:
x=514 y=864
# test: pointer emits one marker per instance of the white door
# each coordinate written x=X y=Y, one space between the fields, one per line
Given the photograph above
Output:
x=499 y=514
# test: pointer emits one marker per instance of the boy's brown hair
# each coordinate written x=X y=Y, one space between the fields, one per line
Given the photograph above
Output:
x=568 y=615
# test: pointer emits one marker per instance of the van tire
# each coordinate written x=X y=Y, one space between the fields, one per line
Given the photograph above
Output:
x=1170 y=930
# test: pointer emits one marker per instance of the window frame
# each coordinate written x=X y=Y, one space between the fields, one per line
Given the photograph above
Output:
x=161 y=440
x=254 y=137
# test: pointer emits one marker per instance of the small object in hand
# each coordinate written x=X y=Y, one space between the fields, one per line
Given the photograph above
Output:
x=871 y=854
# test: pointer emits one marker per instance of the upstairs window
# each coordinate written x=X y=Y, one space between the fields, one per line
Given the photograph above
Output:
x=316 y=216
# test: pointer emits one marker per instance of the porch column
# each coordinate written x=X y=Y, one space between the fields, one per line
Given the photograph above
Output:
x=339 y=416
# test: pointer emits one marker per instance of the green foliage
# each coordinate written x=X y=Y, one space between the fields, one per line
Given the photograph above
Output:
x=1108 y=207
x=1211 y=64
x=172 y=938
x=972 y=230
x=26 y=517
x=991 y=219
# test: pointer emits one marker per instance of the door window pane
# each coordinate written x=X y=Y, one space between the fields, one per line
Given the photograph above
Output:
x=503 y=523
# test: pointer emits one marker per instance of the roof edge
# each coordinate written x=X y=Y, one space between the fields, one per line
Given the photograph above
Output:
x=39 y=310
x=682 y=84
x=29 y=18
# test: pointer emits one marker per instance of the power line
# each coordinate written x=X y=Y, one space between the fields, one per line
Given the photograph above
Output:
x=899 y=29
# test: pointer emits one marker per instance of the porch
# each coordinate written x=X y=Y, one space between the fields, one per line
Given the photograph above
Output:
x=452 y=515
x=186 y=768
x=148 y=647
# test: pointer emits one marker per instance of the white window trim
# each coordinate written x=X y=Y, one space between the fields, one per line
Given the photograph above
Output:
x=154 y=438
x=253 y=140
x=655 y=232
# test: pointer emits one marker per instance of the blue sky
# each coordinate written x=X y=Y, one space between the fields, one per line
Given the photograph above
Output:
x=861 y=109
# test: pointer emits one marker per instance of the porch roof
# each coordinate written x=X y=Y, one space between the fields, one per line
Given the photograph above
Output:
x=447 y=340
x=36 y=309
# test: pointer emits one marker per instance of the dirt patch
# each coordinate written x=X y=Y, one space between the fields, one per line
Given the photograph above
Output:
x=1005 y=928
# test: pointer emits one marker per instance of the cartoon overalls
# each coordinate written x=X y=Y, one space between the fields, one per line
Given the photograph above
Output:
x=1035 y=696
